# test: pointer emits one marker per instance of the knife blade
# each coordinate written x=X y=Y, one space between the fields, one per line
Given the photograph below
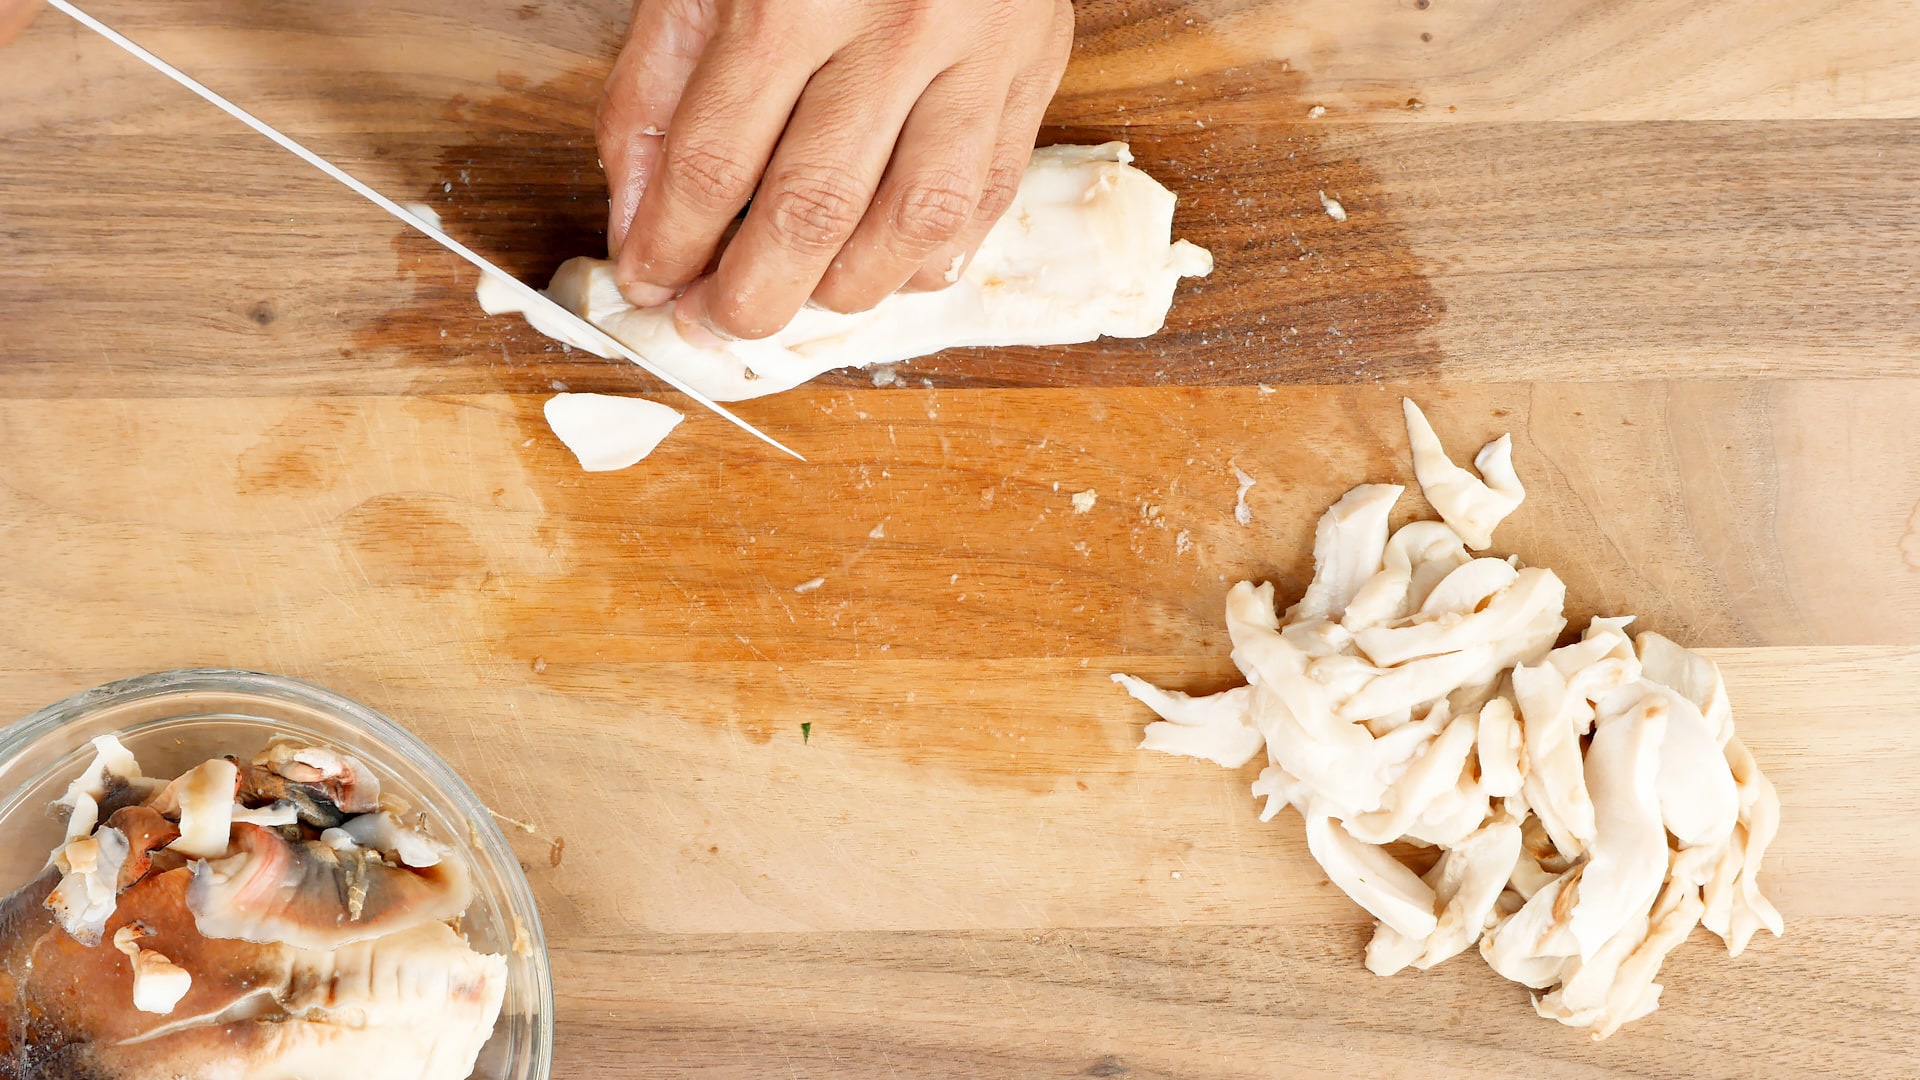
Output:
x=526 y=292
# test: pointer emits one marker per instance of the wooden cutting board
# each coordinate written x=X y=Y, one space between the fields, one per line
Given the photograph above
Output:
x=895 y=825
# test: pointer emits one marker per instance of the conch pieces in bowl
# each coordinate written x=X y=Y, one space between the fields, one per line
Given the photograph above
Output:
x=1591 y=802
x=314 y=895
x=268 y=920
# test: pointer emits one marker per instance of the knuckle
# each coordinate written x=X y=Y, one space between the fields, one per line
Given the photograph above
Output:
x=713 y=178
x=893 y=18
x=922 y=17
x=814 y=211
x=761 y=30
x=933 y=208
x=1003 y=183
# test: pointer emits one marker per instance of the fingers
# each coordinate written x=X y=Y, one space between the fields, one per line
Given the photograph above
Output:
x=663 y=47
x=14 y=17
x=816 y=191
x=928 y=193
x=721 y=138
x=1026 y=106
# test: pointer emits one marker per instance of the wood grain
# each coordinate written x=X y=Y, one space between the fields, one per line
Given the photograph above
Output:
x=246 y=421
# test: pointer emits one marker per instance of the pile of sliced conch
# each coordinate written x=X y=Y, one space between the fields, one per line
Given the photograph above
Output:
x=1591 y=802
x=1085 y=250
x=275 y=918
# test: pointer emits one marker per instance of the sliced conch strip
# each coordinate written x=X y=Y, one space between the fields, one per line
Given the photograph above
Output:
x=1415 y=693
x=1218 y=727
x=1473 y=505
x=1347 y=548
x=1555 y=785
x=1629 y=856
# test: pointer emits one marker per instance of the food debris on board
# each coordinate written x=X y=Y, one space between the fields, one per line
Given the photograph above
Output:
x=1085 y=251
x=1083 y=500
x=1591 y=802
x=1333 y=208
x=275 y=918
x=1242 y=513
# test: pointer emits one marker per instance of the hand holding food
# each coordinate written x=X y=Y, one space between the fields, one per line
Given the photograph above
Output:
x=878 y=142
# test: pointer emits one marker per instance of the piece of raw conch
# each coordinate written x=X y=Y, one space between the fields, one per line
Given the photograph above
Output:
x=196 y=928
x=607 y=433
x=1085 y=251
x=1591 y=802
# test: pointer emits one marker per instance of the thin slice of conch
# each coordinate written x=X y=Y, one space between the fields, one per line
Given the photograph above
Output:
x=1347 y=548
x=606 y=432
x=1629 y=852
x=1466 y=882
x=1736 y=909
x=1554 y=782
x=1507 y=610
x=1218 y=728
x=1473 y=505
x=1690 y=674
x=1372 y=878
x=1430 y=776
x=1084 y=251
x=1418 y=556
x=1499 y=745
x=1531 y=945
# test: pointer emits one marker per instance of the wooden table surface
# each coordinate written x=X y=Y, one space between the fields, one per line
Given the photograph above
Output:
x=1671 y=244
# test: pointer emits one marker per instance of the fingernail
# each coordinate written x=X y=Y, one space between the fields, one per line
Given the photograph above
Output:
x=644 y=294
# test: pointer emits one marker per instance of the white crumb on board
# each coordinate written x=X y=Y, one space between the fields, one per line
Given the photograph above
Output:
x=1242 y=513
x=879 y=532
x=1316 y=112
x=1334 y=209
x=885 y=375
x=1083 y=500
x=1182 y=542
x=809 y=585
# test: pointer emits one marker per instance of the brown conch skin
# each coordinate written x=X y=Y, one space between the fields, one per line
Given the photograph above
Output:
x=252 y=1009
x=311 y=896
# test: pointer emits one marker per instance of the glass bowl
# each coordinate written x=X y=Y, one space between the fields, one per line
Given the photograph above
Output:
x=174 y=720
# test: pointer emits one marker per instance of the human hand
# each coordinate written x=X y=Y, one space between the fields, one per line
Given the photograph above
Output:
x=14 y=17
x=879 y=140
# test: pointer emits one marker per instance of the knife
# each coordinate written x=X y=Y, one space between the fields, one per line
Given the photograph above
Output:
x=526 y=292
